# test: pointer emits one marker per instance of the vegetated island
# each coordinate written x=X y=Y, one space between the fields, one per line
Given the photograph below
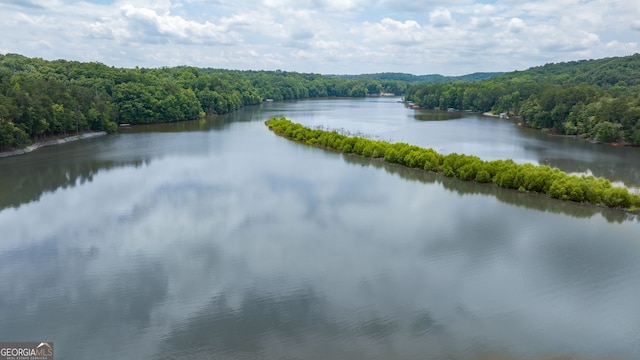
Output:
x=507 y=174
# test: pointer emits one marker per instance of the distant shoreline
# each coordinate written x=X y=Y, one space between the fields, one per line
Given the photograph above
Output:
x=42 y=144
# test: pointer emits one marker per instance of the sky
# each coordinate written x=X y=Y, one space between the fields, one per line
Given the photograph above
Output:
x=453 y=37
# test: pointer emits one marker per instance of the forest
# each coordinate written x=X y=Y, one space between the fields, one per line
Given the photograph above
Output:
x=40 y=99
x=593 y=99
x=504 y=173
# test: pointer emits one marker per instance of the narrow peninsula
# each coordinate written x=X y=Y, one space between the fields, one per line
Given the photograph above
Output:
x=507 y=174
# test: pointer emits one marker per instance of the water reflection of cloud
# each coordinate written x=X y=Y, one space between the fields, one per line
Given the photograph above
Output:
x=274 y=252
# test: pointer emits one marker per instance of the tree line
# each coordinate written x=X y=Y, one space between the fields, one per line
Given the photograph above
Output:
x=40 y=98
x=404 y=79
x=504 y=173
x=594 y=99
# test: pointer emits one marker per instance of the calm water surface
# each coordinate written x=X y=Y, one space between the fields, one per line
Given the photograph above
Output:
x=217 y=239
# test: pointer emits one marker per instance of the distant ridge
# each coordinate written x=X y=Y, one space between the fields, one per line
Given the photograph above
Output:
x=604 y=73
x=423 y=79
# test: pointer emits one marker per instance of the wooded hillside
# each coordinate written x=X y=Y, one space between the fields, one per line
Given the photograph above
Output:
x=596 y=99
x=41 y=98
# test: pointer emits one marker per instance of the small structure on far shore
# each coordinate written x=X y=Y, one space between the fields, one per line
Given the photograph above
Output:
x=412 y=105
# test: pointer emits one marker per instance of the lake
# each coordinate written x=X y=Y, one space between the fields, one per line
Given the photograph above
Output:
x=216 y=239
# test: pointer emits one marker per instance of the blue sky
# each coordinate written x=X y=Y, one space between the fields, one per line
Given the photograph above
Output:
x=323 y=36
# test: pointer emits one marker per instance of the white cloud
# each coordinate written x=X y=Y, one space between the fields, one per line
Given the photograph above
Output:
x=621 y=48
x=390 y=31
x=147 y=23
x=570 y=42
x=418 y=6
x=440 y=17
x=30 y=4
x=315 y=5
x=482 y=22
x=342 y=5
x=327 y=36
x=516 y=25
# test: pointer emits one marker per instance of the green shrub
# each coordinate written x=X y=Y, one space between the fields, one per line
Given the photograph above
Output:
x=468 y=172
x=616 y=197
x=391 y=155
x=483 y=176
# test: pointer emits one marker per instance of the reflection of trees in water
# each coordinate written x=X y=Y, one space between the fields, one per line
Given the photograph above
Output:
x=22 y=184
x=436 y=115
x=511 y=197
x=207 y=123
x=23 y=181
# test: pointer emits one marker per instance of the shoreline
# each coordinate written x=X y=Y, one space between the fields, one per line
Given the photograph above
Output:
x=38 y=145
x=553 y=133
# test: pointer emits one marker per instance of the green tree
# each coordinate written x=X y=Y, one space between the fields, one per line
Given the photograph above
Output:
x=607 y=132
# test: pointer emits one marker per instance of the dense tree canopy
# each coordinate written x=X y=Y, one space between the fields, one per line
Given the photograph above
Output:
x=41 y=98
x=597 y=99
